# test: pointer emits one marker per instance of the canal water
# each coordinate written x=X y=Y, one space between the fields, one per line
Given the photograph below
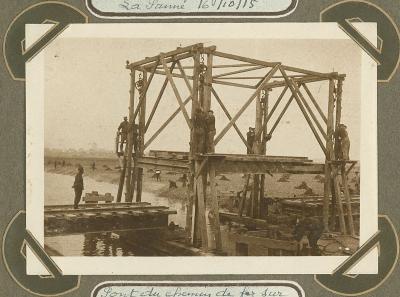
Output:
x=59 y=191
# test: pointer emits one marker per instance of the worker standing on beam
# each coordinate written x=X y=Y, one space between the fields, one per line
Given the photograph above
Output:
x=210 y=130
x=343 y=142
x=251 y=136
x=199 y=129
x=123 y=130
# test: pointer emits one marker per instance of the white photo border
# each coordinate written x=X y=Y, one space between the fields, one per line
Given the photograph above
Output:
x=136 y=265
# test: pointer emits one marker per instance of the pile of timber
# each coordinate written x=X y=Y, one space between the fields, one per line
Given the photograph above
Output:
x=107 y=217
x=313 y=206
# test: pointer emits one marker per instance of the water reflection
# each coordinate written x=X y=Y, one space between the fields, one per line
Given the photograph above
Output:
x=105 y=244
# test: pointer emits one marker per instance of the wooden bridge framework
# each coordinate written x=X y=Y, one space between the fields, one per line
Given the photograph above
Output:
x=200 y=83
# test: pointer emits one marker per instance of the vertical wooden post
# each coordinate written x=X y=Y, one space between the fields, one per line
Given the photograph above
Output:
x=142 y=127
x=350 y=221
x=196 y=237
x=130 y=138
x=331 y=156
x=215 y=207
x=257 y=150
x=329 y=149
x=201 y=207
x=121 y=180
x=263 y=203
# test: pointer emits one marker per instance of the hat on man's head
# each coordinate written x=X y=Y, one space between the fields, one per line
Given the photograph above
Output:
x=125 y=118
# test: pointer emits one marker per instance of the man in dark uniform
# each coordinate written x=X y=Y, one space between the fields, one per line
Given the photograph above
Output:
x=251 y=135
x=78 y=186
x=210 y=130
x=199 y=125
x=123 y=130
x=343 y=142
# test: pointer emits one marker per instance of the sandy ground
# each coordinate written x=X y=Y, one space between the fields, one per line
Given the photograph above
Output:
x=108 y=170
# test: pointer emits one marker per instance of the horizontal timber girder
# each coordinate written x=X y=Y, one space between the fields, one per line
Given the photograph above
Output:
x=255 y=164
x=178 y=51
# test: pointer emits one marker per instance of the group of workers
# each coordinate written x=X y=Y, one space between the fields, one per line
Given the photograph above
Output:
x=203 y=131
x=123 y=129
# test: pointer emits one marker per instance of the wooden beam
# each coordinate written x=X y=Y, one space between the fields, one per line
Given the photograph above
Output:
x=238 y=71
x=245 y=59
x=215 y=209
x=281 y=115
x=201 y=209
x=142 y=97
x=230 y=118
x=310 y=111
x=244 y=107
x=129 y=144
x=329 y=187
x=164 y=86
x=179 y=50
x=345 y=184
x=227 y=83
x=321 y=113
x=176 y=112
x=221 y=66
x=199 y=170
x=294 y=90
x=185 y=77
x=141 y=134
x=309 y=72
x=177 y=95
x=307 y=79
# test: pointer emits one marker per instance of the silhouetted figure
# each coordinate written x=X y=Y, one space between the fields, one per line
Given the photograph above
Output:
x=313 y=229
x=251 y=135
x=199 y=131
x=94 y=166
x=55 y=164
x=210 y=131
x=343 y=143
x=78 y=186
x=123 y=131
x=158 y=175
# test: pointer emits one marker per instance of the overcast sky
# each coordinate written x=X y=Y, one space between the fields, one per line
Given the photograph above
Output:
x=87 y=92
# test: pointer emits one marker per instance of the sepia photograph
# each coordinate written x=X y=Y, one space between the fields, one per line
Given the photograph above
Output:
x=237 y=144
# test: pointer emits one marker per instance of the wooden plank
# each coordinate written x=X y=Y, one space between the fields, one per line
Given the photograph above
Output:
x=176 y=92
x=230 y=118
x=244 y=107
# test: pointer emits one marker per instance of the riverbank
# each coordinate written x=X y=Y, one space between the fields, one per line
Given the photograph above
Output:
x=108 y=170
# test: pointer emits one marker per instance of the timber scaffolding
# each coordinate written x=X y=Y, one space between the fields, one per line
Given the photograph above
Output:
x=200 y=78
